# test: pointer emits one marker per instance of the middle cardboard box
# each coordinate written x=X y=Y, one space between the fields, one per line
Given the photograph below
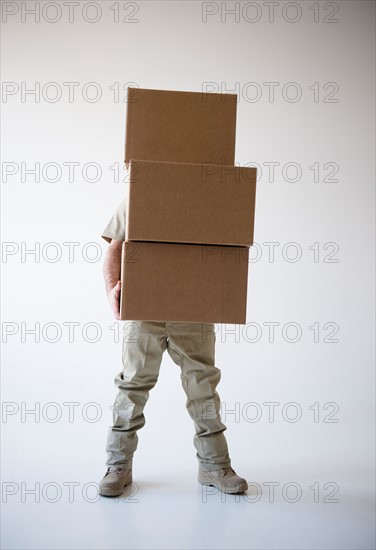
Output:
x=191 y=203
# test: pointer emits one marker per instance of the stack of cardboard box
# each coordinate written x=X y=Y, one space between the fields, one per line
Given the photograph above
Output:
x=190 y=211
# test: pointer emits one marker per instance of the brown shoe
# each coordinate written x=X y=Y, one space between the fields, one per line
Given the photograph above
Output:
x=114 y=481
x=225 y=479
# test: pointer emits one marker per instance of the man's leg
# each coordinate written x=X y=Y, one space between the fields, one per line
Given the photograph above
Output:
x=192 y=347
x=143 y=346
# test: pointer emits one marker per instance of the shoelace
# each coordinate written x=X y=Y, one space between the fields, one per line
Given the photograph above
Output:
x=226 y=470
x=114 y=470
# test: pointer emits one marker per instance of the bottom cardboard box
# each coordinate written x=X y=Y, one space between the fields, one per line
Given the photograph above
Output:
x=184 y=282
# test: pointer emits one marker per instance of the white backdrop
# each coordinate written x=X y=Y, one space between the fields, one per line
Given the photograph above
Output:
x=304 y=74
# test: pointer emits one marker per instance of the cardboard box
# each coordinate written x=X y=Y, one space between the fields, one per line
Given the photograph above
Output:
x=177 y=126
x=183 y=282
x=191 y=203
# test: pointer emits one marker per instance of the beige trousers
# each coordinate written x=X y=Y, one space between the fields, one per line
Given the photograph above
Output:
x=192 y=347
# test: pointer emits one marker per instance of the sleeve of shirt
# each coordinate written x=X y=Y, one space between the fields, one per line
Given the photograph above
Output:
x=115 y=229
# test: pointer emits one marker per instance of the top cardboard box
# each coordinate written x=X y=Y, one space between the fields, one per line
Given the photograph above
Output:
x=177 y=126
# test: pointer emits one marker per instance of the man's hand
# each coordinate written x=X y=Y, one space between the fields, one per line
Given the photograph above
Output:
x=113 y=296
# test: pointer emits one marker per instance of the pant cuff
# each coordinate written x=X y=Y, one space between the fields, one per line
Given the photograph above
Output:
x=212 y=466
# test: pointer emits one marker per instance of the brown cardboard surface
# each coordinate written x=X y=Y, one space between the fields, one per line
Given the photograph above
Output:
x=180 y=126
x=191 y=203
x=184 y=282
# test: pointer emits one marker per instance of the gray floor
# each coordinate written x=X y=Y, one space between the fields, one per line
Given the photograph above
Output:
x=167 y=508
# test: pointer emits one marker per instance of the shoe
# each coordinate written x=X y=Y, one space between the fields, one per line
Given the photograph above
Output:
x=114 y=481
x=225 y=479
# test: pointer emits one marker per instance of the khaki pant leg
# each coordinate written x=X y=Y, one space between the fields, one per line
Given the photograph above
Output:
x=192 y=347
x=143 y=348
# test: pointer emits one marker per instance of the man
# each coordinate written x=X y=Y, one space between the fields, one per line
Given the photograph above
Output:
x=192 y=347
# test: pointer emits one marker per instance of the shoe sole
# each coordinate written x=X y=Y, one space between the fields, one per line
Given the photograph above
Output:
x=224 y=489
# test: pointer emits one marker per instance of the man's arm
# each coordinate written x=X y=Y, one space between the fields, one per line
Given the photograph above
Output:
x=111 y=273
